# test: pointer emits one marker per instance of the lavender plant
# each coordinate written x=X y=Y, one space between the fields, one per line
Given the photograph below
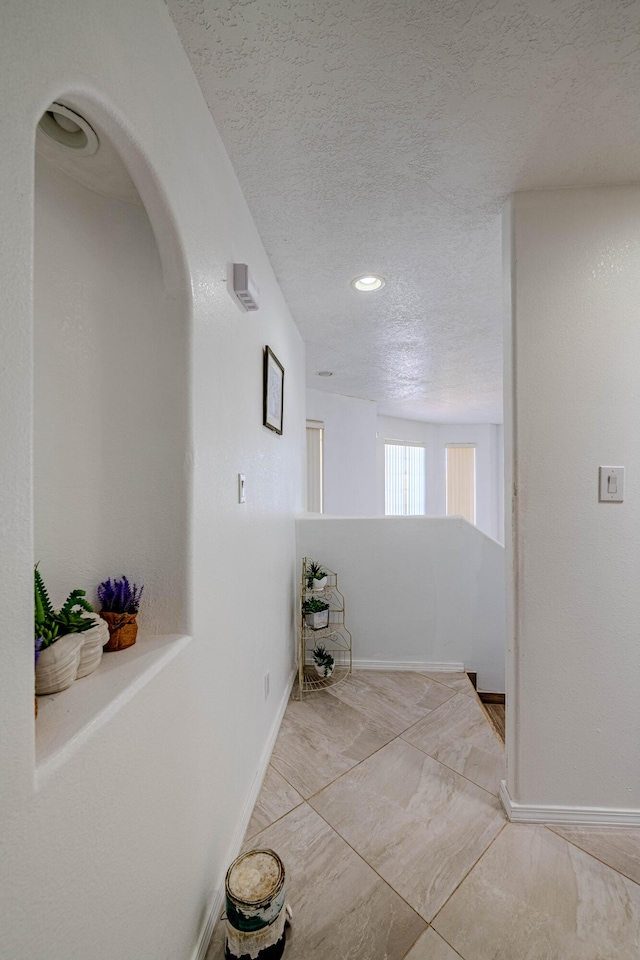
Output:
x=119 y=596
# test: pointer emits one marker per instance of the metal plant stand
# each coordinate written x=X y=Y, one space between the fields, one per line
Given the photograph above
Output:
x=334 y=637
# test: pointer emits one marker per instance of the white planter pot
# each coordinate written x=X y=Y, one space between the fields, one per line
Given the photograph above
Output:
x=57 y=665
x=93 y=642
x=317 y=621
x=321 y=672
x=319 y=584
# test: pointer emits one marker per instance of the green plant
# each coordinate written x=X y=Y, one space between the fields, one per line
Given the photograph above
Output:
x=323 y=659
x=315 y=571
x=314 y=605
x=49 y=625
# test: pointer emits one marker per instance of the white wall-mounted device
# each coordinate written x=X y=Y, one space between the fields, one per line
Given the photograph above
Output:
x=242 y=497
x=245 y=289
x=611 y=484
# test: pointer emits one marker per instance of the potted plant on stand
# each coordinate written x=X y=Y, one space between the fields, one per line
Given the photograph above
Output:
x=59 y=637
x=323 y=660
x=316 y=576
x=120 y=601
x=316 y=613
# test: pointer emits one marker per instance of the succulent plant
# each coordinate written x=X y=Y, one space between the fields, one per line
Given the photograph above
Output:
x=323 y=659
x=48 y=624
x=314 y=571
x=314 y=605
x=119 y=596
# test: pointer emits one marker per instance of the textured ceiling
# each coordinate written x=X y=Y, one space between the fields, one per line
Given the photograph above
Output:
x=383 y=136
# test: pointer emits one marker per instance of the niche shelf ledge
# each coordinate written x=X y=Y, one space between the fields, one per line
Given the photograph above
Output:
x=68 y=719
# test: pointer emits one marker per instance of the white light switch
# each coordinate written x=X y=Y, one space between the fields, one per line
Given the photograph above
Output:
x=611 y=484
x=241 y=494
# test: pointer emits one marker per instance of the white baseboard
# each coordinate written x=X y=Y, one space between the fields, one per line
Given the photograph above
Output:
x=217 y=901
x=541 y=813
x=415 y=665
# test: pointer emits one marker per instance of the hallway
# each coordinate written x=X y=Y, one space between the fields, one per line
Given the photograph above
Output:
x=381 y=799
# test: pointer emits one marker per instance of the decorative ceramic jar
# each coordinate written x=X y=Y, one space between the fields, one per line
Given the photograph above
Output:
x=323 y=671
x=318 y=620
x=57 y=665
x=94 y=640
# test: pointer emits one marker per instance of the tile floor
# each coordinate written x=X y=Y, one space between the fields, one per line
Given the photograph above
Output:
x=381 y=799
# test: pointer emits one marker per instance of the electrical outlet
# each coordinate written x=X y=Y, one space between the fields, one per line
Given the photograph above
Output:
x=266 y=685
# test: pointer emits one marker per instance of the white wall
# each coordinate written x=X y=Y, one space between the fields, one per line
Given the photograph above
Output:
x=573 y=402
x=119 y=853
x=349 y=452
x=111 y=429
x=435 y=437
x=418 y=591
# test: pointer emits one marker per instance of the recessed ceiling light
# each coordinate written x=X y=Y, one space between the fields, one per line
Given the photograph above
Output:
x=69 y=129
x=324 y=373
x=367 y=283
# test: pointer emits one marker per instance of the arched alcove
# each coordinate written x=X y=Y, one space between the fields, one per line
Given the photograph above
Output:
x=111 y=413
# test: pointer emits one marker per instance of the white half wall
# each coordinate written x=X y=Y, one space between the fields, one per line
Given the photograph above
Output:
x=349 y=452
x=417 y=590
x=572 y=271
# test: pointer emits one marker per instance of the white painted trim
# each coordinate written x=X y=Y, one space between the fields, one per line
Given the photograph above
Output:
x=541 y=813
x=415 y=665
x=214 y=911
x=217 y=901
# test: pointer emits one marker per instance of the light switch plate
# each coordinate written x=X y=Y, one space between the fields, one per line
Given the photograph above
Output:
x=611 y=485
x=242 y=497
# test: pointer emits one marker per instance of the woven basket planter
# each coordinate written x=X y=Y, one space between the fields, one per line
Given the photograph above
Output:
x=123 y=630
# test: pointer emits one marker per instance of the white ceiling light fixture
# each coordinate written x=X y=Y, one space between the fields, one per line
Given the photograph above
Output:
x=69 y=129
x=367 y=283
x=324 y=373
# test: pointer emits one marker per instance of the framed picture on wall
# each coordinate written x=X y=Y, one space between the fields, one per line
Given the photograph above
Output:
x=273 y=391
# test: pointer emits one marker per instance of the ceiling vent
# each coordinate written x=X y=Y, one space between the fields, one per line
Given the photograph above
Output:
x=245 y=288
x=69 y=129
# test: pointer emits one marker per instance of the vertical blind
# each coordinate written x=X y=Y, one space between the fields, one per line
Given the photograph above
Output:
x=461 y=482
x=404 y=479
x=315 y=443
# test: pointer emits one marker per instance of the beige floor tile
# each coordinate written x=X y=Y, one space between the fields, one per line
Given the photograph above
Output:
x=619 y=847
x=321 y=738
x=419 y=824
x=534 y=895
x=276 y=798
x=431 y=946
x=341 y=908
x=395 y=699
x=457 y=681
x=459 y=735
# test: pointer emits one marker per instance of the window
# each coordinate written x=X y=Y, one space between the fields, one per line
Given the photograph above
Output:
x=461 y=481
x=404 y=479
x=315 y=468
